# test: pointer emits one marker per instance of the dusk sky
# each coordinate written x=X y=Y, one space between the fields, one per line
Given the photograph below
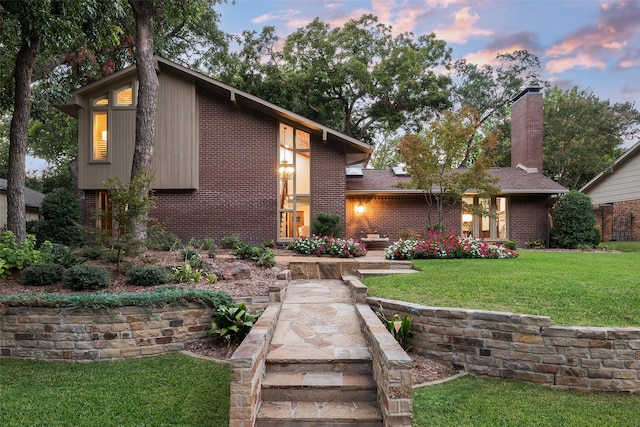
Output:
x=591 y=44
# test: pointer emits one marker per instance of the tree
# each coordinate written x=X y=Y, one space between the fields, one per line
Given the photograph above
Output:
x=574 y=221
x=583 y=134
x=432 y=161
x=358 y=79
x=490 y=90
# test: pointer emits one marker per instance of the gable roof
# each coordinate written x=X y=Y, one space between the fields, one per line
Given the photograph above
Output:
x=627 y=155
x=356 y=150
x=32 y=198
x=511 y=181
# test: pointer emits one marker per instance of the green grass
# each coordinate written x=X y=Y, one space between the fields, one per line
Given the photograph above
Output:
x=621 y=246
x=573 y=288
x=470 y=401
x=165 y=390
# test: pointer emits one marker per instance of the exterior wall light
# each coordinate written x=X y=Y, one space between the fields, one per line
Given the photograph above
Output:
x=360 y=209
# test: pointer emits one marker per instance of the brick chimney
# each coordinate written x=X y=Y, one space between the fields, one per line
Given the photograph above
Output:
x=526 y=129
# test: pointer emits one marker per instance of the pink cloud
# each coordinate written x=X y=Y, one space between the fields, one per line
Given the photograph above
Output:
x=593 y=46
x=463 y=27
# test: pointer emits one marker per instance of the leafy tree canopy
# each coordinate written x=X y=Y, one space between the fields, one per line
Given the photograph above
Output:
x=583 y=135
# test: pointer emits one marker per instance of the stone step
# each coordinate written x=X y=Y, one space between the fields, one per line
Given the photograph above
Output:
x=395 y=265
x=383 y=272
x=354 y=366
x=319 y=386
x=307 y=414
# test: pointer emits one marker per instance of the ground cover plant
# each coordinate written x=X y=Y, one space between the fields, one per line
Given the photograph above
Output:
x=573 y=288
x=470 y=401
x=161 y=390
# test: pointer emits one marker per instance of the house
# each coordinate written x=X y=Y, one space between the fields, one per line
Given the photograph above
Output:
x=224 y=161
x=615 y=194
x=32 y=200
x=228 y=162
x=520 y=212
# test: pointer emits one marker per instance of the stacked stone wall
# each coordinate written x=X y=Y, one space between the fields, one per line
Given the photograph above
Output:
x=525 y=348
x=110 y=334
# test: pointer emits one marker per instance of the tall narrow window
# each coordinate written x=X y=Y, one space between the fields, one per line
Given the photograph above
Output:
x=100 y=136
x=294 y=182
x=485 y=217
x=105 y=220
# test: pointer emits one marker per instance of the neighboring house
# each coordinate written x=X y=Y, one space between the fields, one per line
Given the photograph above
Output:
x=32 y=200
x=228 y=162
x=521 y=211
x=615 y=194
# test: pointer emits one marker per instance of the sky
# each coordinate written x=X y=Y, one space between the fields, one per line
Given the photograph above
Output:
x=591 y=44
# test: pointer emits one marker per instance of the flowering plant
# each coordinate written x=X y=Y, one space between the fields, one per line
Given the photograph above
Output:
x=444 y=245
x=324 y=245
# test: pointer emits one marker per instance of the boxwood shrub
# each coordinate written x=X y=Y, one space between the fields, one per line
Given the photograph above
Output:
x=42 y=274
x=148 y=275
x=86 y=277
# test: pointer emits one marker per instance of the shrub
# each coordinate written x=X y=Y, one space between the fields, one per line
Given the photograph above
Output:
x=186 y=273
x=511 y=244
x=92 y=252
x=18 y=255
x=233 y=323
x=148 y=276
x=42 y=274
x=574 y=220
x=60 y=211
x=191 y=255
x=230 y=242
x=326 y=225
x=245 y=251
x=266 y=257
x=61 y=254
x=162 y=240
x=446 y=246
x=86 y=277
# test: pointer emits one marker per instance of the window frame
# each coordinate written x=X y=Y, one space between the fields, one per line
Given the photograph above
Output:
x=107 y=107
x=477 y=218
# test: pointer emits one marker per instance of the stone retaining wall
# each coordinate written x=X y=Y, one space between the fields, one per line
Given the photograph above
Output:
x=109 y=334
x=525 y=348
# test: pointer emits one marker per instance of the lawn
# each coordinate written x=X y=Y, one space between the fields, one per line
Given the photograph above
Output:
x=155 y=391
x=573 y=288
x=470 y=401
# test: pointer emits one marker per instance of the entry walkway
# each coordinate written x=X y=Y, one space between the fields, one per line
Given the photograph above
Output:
x=318 y=367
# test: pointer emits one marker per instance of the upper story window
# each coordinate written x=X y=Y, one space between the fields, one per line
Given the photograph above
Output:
x=124 y=96
x=102 y=127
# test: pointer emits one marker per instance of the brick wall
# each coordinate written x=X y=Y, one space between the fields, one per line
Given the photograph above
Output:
x=84 y=334
x=390 y=215
x=604 y=218
x=238 y=187
x=528 y=218
x=525 y=348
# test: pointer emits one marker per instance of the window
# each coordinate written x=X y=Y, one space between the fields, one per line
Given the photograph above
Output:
x=485 y=217
x=294 y=182
x=124 y=96
x=102 y=128
x=100 y=135
x=105 y=220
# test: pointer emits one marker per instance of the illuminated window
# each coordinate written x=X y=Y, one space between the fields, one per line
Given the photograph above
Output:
x=100 y=136
x=485 y=217
x=294 y=176
x=101 y=101
x=124 y=96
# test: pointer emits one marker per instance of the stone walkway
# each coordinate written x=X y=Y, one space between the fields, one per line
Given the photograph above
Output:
x=318 y=363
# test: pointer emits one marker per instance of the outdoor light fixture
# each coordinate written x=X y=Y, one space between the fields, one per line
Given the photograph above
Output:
x=360 y=209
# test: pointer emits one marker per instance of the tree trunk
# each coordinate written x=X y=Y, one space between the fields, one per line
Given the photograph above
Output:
x=144 y=12
x=25 y=63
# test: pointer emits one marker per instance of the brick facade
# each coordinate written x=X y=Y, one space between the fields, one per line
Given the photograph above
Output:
x=527 y=130
x=605 y=214
x=238 y=186
x=528 y=216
